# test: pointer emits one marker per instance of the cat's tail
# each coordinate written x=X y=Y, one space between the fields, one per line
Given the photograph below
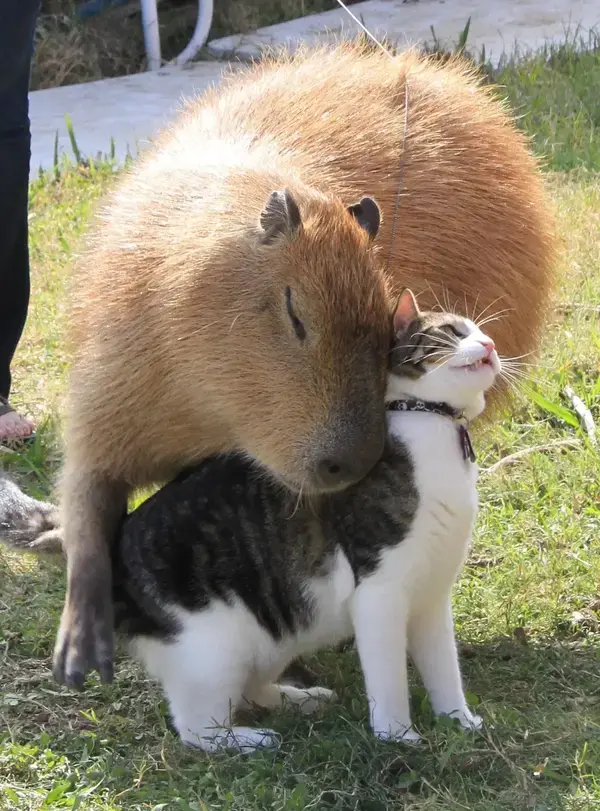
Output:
x=27 y=524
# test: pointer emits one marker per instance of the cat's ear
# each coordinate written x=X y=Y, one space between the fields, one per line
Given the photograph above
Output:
x=279 y=217
x=406 y=311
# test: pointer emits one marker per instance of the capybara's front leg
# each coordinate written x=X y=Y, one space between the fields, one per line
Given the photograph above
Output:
x=93 y=507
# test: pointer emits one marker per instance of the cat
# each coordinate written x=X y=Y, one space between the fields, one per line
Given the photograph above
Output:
x=223 y=577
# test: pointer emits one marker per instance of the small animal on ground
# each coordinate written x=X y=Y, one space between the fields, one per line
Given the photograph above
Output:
x=223 y=576
x=214 y=311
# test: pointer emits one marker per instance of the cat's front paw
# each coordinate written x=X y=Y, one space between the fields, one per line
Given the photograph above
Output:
x=468 y=721
x=401 y=734
x=308 y=700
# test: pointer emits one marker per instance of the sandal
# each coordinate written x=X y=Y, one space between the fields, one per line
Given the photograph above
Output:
x=17 y=442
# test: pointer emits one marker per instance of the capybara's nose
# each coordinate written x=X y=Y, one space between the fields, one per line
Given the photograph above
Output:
x=341 y=470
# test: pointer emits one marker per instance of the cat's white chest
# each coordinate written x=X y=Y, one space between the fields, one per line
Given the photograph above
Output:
x=441 y=472
x=437 y=543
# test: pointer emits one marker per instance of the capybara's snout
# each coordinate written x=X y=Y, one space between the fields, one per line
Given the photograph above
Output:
x=347 y=447
x=347 y=464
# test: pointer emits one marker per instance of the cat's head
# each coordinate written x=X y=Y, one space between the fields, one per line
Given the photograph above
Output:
x=440 y=357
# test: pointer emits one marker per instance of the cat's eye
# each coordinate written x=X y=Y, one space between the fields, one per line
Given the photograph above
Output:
x=296 y=323
x=451 y=328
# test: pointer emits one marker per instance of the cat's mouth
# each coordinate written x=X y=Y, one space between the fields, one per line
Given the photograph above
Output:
x=488 y=362
x=473 y=367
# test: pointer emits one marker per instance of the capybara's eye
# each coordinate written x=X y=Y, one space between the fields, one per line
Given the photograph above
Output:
x=296 y=323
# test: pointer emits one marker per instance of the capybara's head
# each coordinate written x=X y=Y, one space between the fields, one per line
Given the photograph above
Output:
x=307 y=342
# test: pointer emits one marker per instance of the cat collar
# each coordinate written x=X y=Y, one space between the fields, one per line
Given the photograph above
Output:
x=445 y=410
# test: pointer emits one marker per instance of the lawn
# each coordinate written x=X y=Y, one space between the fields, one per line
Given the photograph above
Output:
x=527 y=606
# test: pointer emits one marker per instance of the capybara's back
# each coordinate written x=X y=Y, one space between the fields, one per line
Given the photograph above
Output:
x=472 y=226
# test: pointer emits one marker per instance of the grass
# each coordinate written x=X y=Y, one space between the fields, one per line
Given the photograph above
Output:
x=527 y=606
x=556 y=90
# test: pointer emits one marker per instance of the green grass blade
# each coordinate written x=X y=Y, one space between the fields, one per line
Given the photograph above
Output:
x=73 y=140
x=464 y=36
x=550 y=407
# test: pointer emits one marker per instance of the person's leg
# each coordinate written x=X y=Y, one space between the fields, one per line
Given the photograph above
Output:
x=17 y=26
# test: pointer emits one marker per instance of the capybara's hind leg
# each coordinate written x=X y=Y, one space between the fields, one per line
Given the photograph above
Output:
x=92 y=509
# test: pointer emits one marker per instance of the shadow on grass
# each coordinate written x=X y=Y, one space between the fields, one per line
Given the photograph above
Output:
x=539 y=749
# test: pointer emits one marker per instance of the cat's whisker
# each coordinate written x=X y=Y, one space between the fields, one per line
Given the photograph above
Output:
x=442 y=360
x=426 y=346
x=472 y=316
x=516 y=364
x=517 y=357
x=521 y=371
x=508 y=374
x=299 y=499
x=484 y=311
x=434 y=294
x=445 y=341
x=508 y=363
x=489 y=321
x=529 y=369
x=495 y=316
x=431 y=350
x=445 y=360
x=513 y=375
x=445 y=356
x=515 y=386
x=448 y=307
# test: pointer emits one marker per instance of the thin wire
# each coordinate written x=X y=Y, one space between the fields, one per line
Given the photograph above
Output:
x=380 y=45
x=365 y=29
x=400 y=174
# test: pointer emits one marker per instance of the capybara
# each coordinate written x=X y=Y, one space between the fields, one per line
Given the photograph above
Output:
x=238 y=292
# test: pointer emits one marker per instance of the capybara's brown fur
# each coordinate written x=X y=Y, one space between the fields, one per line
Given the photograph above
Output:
x=187 y=339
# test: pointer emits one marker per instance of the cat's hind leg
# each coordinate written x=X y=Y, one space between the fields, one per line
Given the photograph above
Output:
x=202 y=716
x=433 y=650
x=203 y=671
x=273 y=696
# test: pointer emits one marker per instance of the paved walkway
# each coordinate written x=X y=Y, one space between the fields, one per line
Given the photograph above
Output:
x=133 y=108
x=129 y=110
x=495 y=24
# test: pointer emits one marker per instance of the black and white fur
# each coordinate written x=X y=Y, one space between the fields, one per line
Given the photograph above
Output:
x=222 y=578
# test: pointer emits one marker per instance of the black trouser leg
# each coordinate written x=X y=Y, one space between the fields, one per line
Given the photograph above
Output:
x=17 y=26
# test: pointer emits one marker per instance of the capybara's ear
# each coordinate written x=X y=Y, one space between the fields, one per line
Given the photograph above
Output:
x=366 y=213
x=279 y=217
x=406 y=311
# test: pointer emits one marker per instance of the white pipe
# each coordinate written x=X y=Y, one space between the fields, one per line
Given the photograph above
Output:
x=151 y=33
x=200 y=35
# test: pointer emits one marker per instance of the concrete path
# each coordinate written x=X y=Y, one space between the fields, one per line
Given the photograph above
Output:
x=129 y=110
x=496 y=24
x=132 y=109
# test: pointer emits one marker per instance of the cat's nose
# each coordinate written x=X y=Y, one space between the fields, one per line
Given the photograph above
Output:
x=488 y=345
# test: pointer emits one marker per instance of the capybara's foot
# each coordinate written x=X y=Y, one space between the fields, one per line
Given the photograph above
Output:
x=85 y=638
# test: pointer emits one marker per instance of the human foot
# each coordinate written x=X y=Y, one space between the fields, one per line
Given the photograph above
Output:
x=14 y=429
